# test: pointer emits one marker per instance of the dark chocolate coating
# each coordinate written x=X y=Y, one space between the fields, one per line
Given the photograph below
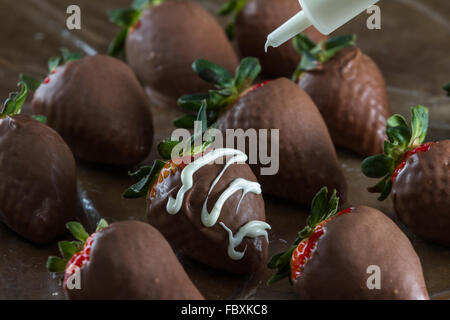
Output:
x=350 y=92
x=171 y=37
x=132 y=260
x=308 y=160
x=99 y=108
x=258 y=19
x=352 y=242
x=421 y=193
x=185 y=230
x=37 y=179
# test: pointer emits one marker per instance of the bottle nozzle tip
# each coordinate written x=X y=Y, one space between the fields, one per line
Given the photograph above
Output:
x=266 y=46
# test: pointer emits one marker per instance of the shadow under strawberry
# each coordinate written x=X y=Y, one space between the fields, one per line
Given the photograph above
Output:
x=211 y=211
x=98 y=107
x=417 y=174
x=160 y=40
x=307 y=158
x=336 y=253
x=253 y=20
x=37 y=174
x=125 y=260
x=349 y=90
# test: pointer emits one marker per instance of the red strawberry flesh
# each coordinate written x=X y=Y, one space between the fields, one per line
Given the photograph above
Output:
x=422 y=148
x=306 y=248
x=79 y=259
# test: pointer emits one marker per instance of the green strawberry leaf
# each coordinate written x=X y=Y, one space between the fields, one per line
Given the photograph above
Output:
x=117 y=46
x=68 y=56
x=56 y=264
x=322 y=209
x=32 y=83
x=77 y=231
x=101 y=225
x=69 y=248
x=419 y=125
x=13 y=104
x=315 y=54
x=40 y=118
x=125 y=17
x=147 y=176
x=233 y=8
x=376 y=166
x=246 y=72
x=401 y=139
x=186 y=121
x=336 y=44
x=192 y=102
x=166 y=146
x=53 y=63
x=142 y=4
x=229 y=88
x=212 y=73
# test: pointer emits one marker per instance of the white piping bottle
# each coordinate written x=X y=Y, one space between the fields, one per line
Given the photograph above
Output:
x=325 y=15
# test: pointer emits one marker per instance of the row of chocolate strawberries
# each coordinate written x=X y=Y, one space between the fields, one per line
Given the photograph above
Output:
x=52 y=64
x=163 y=176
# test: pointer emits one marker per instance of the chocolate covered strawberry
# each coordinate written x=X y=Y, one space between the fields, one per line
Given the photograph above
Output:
x=161 y=39
x=37 y=175
x=357 y=253
x=208 y=205
x=307 y=158
x=349 y=90
x=253 y=20
x=98 y=107
x=125 y=260
x=417 y=174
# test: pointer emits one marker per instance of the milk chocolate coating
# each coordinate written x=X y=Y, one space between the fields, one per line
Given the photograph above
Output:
x=185 y=230
x=307 y=158
x=352 y=242
x=350 y=92
x=171 y=37
x=37 y=179
x=258 y=19
x=99 y=108
x=421 y=193
x=132 y=260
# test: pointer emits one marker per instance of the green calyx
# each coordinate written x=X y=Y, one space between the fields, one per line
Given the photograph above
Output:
x=316 y=54
x=233 y=8
x=228 y=89
x=401 y=139
x=126 y=18
x=447 y=88
x=322 y=209
x=53 y=63
x=68 y=248
x=13 y=104
x=147 y=175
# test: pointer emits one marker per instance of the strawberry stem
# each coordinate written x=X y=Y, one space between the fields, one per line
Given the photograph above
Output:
x=69 y=248
x=402 y=139
x=322 y=209
x=316 y=54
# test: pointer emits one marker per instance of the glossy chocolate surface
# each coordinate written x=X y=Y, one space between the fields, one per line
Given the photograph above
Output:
x=350 y=92
x=185 y=230
x=343 y=262
x=132 y=260
x=421 y=193
x=99 y=108
x=27 y=47
x=37 y=179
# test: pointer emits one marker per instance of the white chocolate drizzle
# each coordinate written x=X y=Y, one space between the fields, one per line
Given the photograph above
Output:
x=251 y=229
